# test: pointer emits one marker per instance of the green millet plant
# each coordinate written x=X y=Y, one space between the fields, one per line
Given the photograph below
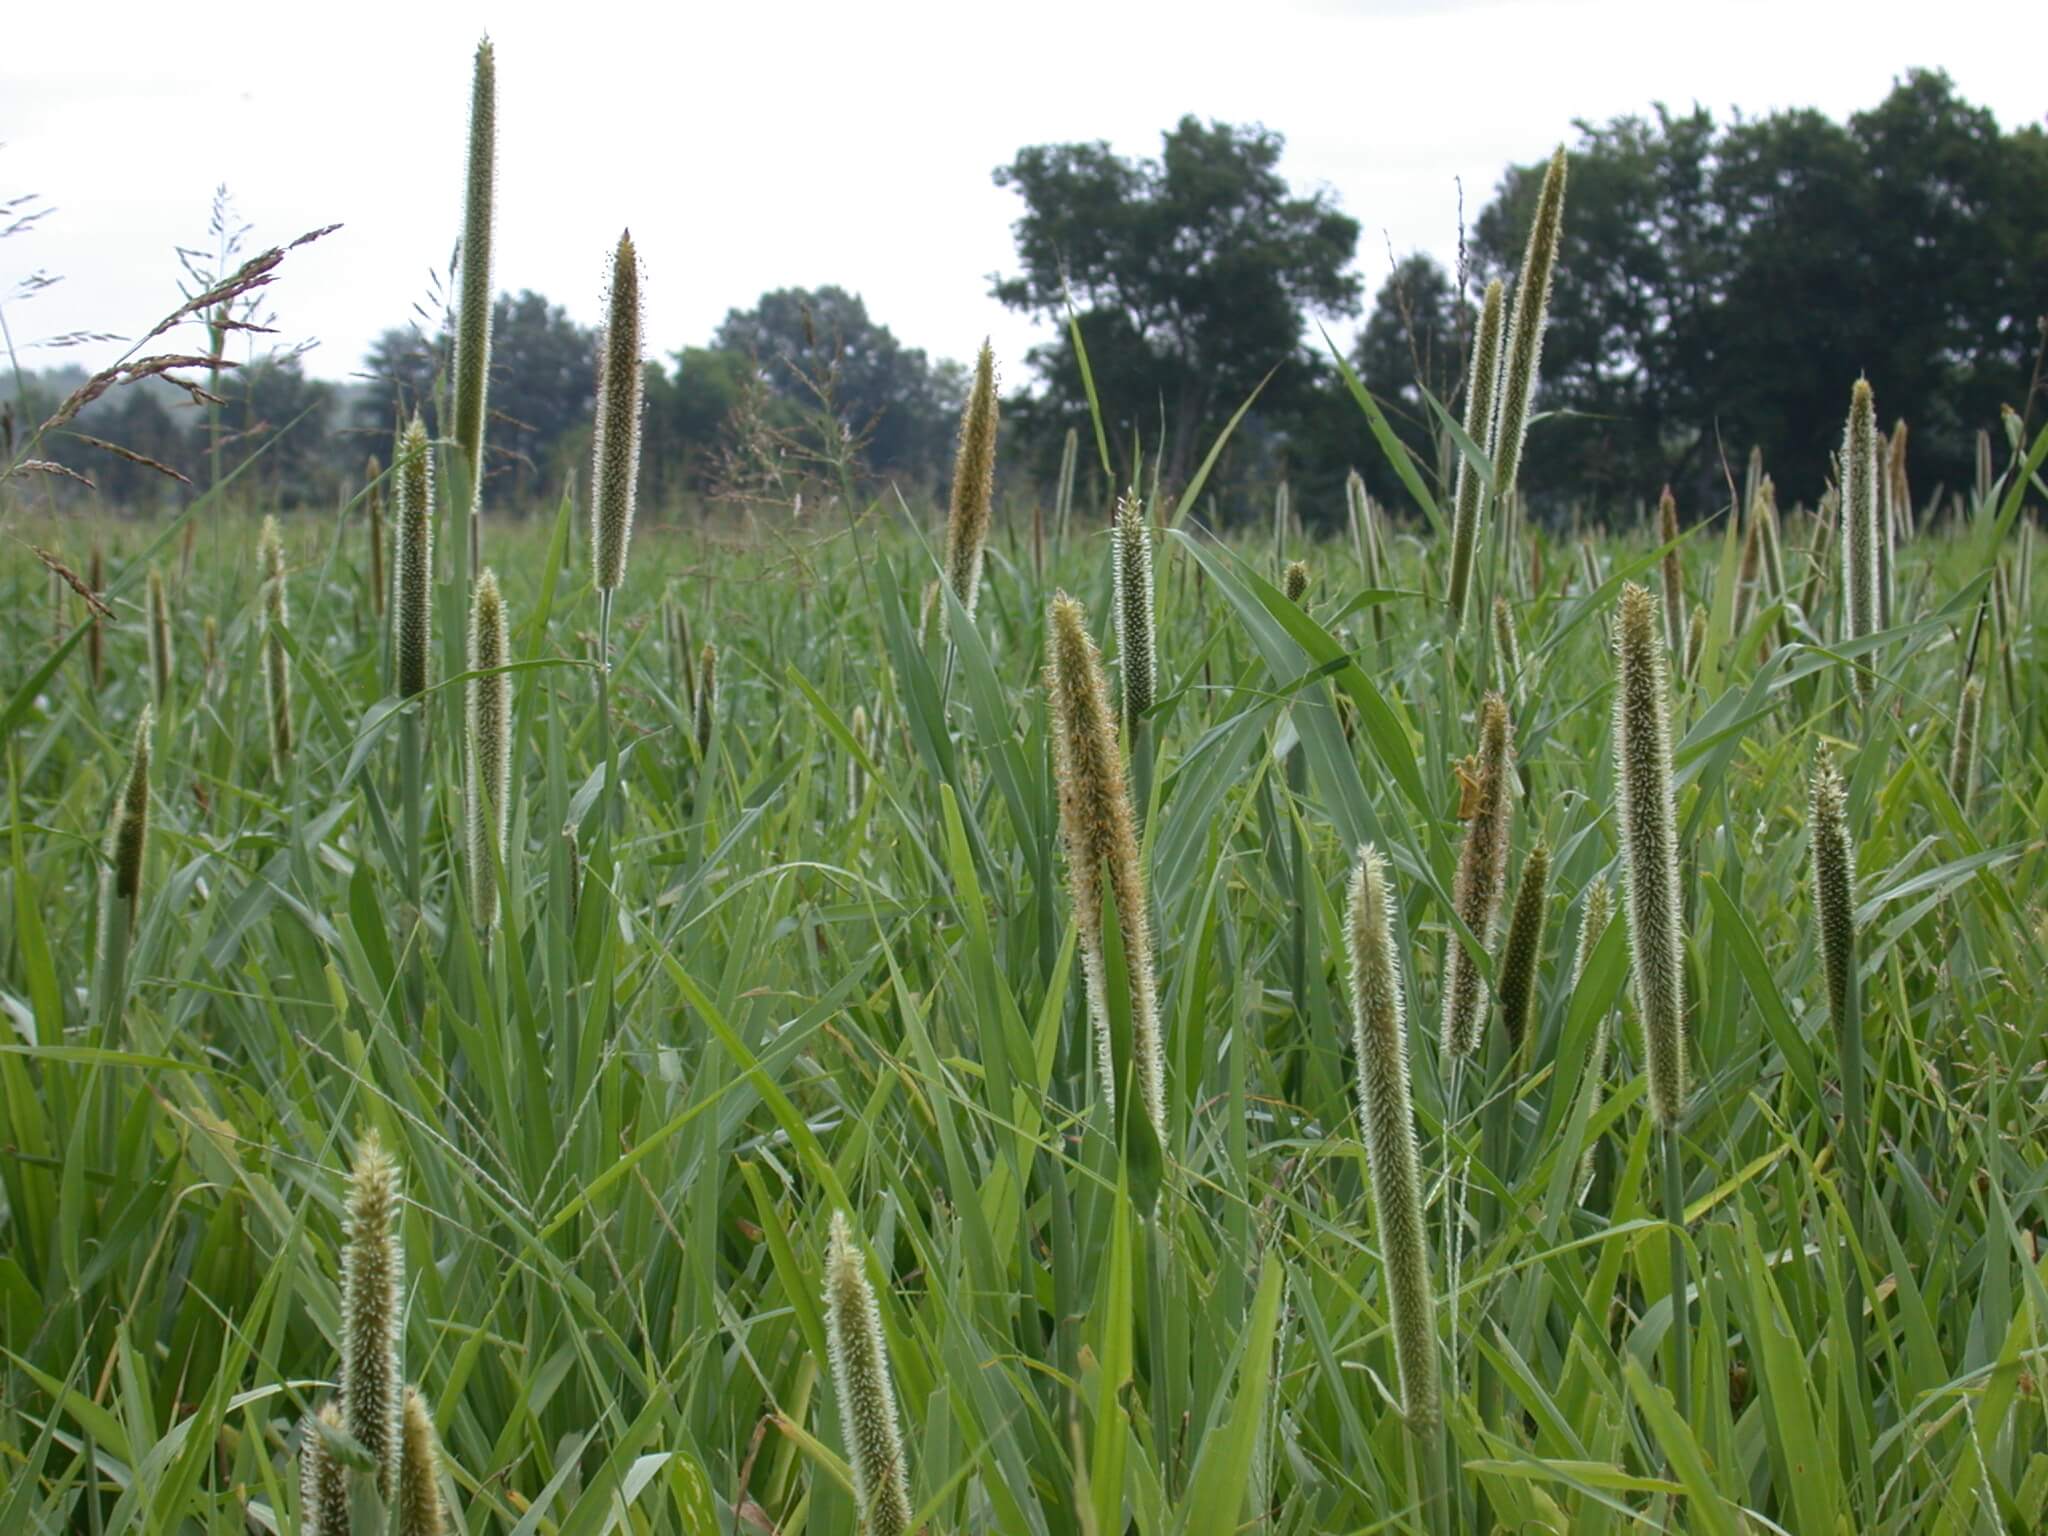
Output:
x=1507 y=650
x=372 y=1270
x=162 y=665
x=1097 y=828
x=1380 y=1037
x=473 y=312
x=706 y=697
x=419 y=1491
x=1515 y=972
x=1860 y=531
x=490 y=747
x=277 y=661
x=121 y=880
x=615 y=466
x=974 y=484
x=860 y=1377
x=1481 y=388
x=1481 y=879
x=1132 y=591
x=1962 y=759
x=413 y=564
x=1525 y=345
x=1649 y=844
x=1672 y=572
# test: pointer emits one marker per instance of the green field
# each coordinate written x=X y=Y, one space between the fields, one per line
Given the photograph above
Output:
x=827 y=962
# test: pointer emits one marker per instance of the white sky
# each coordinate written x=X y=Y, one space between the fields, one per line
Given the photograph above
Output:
x=760 y=146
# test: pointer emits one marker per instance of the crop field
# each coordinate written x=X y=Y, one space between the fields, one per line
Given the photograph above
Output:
x=1048 y=1021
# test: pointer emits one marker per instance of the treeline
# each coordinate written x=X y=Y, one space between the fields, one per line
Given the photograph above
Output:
x=1721 y=285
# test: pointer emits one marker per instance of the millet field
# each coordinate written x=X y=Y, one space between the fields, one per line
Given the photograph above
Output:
x=1039 y=1020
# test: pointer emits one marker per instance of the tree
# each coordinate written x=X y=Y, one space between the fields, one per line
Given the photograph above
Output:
x=1723 y=287
x=276 y=408
x=818 y=347
x=1193 y=275
x=687 y=413
x=543 y=388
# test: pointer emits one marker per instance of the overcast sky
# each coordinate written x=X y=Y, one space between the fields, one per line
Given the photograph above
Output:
x=753 y=147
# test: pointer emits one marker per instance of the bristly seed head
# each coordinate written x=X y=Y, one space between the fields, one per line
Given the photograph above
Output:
x=1381 y=1039
x=413 y=624
x=860 y=1378
x=323 y=1481
x=1294 y=582
x=473 y=320
x=1649 y=839
x=974 y=484
x=372 y=1267
x=1860 y=531
x=277 y=661
x=1673 y=572
x=1834 y=883
x=128 y=837
x=1520 y=952
x=1525 y=349
x=490 y=746
x=1962 y=760
x=419 y=1488
x=1481 y=405
x=1131 y=557
x=616 y=457
x=707 y=697
x=1482 y=873
x=161 y=664
x=1097 y=828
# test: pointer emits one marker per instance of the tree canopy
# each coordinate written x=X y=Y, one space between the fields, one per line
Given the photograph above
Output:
x=1194 y=275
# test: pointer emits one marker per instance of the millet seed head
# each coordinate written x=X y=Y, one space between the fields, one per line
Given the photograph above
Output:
x=372 y=1269
x=860 y=1377
x=974 y=483
x=615 y=468
x=1481 y=878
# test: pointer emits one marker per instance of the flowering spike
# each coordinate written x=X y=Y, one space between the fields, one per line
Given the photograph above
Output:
x=974 y=484
x=323 y=1481
x=413 y=603
x=1525 y=349
x=419 y=1490
x=1096 y=825
x=1523 y=947
x=1649 y=837
x=1131 y=557
x=1480 y=392
x=1860 y=525
x=1672 y=571
x=490 y=746
x=372 y=1266
x=277 y=661
x=473 y=317
x=1481 y=876
x=1962 y=761
x=1381 y=1039
x=616 y=456
x=162 y=665
x=860 y=1377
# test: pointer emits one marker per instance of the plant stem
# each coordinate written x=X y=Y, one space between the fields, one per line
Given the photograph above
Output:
x=1681 y=1324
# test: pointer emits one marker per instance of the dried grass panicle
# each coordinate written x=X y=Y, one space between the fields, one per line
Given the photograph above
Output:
x=1481 y=878
x=1525 y=345
x=1132 y=589
x=413 y=573
x=490 y=746
x=1097 y=827
x=1522 y=949
x=861 y=1379
x=615 y=469
x=1649 y=839
x=372 y=1269
x=974 y=482
x=277 y=662
x=1481 y=404
x=1381 y=1039
x=473 y=312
